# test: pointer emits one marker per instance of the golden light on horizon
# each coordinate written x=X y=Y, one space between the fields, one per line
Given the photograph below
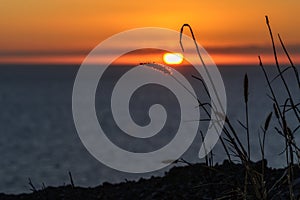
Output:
x=173 y=58
x=49 y=31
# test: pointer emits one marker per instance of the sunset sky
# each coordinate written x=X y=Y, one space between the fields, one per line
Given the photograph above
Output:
x=65 y=31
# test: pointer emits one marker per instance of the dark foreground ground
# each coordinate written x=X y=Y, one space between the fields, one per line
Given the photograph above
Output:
x=195 y=181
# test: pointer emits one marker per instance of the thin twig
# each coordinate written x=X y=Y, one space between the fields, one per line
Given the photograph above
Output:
x=278 y=68
x=71 y=180
x=33 y=188
x=290 y=60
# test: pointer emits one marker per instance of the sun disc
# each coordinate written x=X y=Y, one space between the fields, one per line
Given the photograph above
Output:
x=173 y=58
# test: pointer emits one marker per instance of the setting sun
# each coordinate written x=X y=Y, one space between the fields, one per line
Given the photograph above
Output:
x=173 y=58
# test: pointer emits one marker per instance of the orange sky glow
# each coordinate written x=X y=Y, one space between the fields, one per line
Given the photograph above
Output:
x=65 y=31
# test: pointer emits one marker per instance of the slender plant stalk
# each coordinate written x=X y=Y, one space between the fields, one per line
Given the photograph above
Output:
x=202 y=137
x=202 y=62
x=254 y=178
x=246 y=93
x=287 y=133
x=33 y=188
x=289 y=147
x=279 y=70
x=243 y=152
x=283 y=127
x=290 y=60
x=262 y=145
x=276 y=103
x=207 y=73
x=206 y=111
x=71 y=180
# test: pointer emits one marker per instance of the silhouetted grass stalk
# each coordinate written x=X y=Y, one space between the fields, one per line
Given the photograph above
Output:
x=257 y=179
x=246 y=93
x=279 y=70
x=202 y=62
x=202 y=105
x=290 y=60
x=213 y=106
x=282 y=121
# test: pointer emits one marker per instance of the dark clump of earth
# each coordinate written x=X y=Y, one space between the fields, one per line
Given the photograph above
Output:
x=194 y=181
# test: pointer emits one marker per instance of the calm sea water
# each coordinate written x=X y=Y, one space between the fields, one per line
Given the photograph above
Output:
x=39 y=140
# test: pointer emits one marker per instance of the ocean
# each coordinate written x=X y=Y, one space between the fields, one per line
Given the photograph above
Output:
x=39 y=139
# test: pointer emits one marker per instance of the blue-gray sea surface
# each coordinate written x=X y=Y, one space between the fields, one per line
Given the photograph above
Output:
x=38 y=139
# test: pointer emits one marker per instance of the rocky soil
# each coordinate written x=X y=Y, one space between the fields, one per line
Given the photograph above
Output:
x=195 y=181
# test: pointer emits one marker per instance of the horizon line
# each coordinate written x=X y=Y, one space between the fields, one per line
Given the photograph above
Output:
x=219 y=59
